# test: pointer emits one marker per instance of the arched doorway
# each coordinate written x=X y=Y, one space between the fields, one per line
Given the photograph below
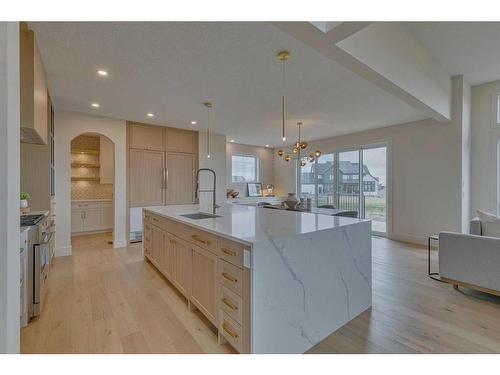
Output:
x=92 y=174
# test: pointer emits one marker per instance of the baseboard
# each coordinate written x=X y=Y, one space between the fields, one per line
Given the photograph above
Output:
x=409 y=238
x=119 y=243
x=63 y=251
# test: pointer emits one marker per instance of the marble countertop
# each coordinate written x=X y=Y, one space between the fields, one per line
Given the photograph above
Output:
x=250 y=224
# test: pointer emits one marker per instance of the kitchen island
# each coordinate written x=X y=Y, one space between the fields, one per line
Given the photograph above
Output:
x=271 y=281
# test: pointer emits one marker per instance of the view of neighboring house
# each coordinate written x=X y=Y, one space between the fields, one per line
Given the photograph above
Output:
x=348 y=180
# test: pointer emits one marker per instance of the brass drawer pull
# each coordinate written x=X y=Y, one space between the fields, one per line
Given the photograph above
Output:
x=155 y=219
x=229 y=331
x=229 y=277
x=197 y=238
x=147 y=239
x=228 y=252
x=229 y=304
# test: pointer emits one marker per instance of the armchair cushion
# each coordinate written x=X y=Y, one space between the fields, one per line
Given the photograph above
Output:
x=490 y=224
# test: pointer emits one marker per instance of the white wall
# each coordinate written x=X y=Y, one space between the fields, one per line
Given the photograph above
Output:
x=485 y=136
x=424 y=161
x=393 y=52
x=69 y=125
x=265 y=169
x=461 y=118
x=9 y=187
x=217 y=162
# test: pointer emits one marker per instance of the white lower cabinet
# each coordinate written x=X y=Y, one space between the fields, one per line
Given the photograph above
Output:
x=91 y=216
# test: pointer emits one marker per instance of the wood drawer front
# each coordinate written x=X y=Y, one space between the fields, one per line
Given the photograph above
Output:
x=231 y=331
x=162 y=223
x=231 y=304
x=202 y=239
x=231 y=277
x=231 y=252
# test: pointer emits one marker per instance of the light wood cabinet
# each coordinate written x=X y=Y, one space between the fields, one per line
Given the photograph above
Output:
x=179 y=140
x=180 y=178
x=106 y=161
x=33 y=89
x=170 y=255
x=146 y=137
x=158 y=247
x=208 y=270
x=204 y=282
x=183 y=265
x=147 y=175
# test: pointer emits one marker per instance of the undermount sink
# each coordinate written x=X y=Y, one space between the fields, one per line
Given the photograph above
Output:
x=199 y=216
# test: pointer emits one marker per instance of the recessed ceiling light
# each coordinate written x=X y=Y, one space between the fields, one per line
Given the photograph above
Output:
x=102 y=73
x=232 y=140
x=193 y=122
x=267 y=145
x=150 y=114
x=95 y=105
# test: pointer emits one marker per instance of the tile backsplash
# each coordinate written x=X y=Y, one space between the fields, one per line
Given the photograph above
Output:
x=91 y=190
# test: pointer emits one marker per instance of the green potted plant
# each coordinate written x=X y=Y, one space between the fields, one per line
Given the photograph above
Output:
x=24 y=199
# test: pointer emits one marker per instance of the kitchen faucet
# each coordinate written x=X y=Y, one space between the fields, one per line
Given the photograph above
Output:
x=215 y=206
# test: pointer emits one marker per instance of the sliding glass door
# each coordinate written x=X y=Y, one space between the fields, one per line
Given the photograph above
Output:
x=348 y=188
x=353 y=181
x=375 y=187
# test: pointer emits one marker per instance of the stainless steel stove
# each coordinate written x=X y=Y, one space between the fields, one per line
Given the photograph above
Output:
x=30 y=220
x=40 y=246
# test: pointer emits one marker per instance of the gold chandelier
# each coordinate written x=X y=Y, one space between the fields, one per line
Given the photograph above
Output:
x=298 y=150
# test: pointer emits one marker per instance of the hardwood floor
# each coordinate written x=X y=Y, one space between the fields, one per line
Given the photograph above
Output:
x=105 y=300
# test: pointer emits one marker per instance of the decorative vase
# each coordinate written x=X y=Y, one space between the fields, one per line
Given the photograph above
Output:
x=24 y=203
x=291 y=201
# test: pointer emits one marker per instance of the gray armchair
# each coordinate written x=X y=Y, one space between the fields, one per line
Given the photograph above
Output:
x=470 y=260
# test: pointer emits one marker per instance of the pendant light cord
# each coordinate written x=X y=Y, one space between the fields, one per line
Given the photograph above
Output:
x=283 y=102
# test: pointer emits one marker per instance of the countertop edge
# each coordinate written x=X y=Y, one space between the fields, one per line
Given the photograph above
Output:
x=193 y=225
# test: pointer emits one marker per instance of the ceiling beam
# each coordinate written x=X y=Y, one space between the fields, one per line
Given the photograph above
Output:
x=433 y=100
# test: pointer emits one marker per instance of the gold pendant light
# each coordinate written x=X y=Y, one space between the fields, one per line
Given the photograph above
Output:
x=283 y=56
x=297 y=149
x=208 y=105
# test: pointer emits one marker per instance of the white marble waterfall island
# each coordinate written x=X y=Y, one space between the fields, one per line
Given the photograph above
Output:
x=271 y=281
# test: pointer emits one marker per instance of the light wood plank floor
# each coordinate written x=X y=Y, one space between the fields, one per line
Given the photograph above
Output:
x=103 y=300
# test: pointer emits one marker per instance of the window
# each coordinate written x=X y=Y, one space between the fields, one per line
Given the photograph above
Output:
x=244 y=168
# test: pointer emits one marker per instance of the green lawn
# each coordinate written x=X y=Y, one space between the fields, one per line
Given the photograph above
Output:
x=375 y=208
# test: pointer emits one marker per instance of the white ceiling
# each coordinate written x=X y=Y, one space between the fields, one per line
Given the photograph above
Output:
x=171 y=68
x=468 y=48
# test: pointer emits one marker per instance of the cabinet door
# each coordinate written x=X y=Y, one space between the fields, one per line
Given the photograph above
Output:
x=178 y=140
x=92 y=220
x=146 y=178
x=147 y=241
x=146 y=137
x=157 y=248
x=203 y=282
x=183 y=266
x=107 y=219
x=76 y=221
x=169 y=260
x=106 y=161
x=180 y=178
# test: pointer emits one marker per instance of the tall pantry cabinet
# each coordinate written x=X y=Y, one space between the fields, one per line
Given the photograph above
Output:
x=162 y=165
